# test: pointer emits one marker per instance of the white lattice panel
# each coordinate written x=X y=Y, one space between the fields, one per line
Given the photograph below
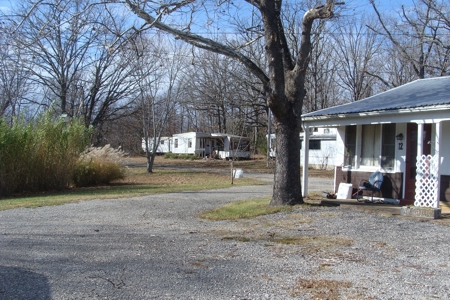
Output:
x=427 y=181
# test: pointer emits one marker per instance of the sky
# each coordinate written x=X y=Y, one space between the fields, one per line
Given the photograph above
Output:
x=382 y=4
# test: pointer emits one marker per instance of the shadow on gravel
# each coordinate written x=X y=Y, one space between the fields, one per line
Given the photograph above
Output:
x=19 y=283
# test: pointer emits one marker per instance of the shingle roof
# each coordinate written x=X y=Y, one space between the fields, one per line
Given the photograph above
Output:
x=416 y=94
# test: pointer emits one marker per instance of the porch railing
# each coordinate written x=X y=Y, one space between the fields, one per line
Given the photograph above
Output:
x=427 y=180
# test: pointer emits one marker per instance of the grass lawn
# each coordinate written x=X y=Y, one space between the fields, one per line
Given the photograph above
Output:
x=169 y=176
x=137 y=183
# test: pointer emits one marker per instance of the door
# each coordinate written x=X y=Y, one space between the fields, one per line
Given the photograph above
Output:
x=411 y=157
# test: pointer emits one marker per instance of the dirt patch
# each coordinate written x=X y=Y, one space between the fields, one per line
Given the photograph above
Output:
x=320 y=288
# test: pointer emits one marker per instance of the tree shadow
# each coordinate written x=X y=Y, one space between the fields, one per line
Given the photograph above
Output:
x=20 y=283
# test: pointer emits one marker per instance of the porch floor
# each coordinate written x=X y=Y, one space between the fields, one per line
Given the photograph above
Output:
x=383 y=209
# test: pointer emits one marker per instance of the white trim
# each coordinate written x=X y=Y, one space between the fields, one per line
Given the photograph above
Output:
x=404 y=116
x=437 y=152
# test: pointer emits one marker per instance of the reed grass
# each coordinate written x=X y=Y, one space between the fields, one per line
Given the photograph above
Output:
x=41 y=154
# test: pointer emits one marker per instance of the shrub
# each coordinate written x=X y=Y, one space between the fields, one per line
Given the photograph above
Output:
x=39 y=155
x=170 y=155
x=181 y=156
x=98 y=166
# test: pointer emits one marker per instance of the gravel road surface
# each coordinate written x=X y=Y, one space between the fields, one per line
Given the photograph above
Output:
x=156 y=247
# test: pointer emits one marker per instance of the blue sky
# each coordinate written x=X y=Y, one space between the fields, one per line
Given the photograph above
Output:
x=382 y=4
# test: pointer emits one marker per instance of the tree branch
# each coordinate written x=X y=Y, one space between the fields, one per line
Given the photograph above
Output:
x=199 y=41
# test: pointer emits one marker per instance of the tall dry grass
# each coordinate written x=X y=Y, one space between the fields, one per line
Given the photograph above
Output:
x=39 y=155
x=98 y=166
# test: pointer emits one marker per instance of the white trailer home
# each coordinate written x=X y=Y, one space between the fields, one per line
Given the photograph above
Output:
x=217 y=145
x=164 y=146
x=231 y=146
x=192 y=143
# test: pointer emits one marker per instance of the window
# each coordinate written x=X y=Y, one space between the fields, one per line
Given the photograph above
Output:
x=175 y=143
x=314 y=145
x=388 y=147
x=377 y=146
x=370 y=146
x=162 y=142
x=350 y=145
x=189 y=143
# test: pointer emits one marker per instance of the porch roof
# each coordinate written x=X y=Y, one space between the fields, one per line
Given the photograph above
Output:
x=421 y=94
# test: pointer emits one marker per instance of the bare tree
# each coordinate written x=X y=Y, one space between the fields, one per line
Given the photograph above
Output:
x=283 y=83
x=57 y=36
x=82 y=63
x=15 y=82
x=415 y=35
x=214 y=88
x=357 y=48
x=158 y=73
x=441 y=11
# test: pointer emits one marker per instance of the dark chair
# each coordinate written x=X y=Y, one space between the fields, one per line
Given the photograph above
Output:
x=372 y=184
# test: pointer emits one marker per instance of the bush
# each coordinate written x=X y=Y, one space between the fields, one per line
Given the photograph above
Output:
x=98 y=166
x=39 y=155
x=171 y=155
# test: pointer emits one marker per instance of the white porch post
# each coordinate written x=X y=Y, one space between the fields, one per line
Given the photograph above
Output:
x=419 y=139
x=437 y=153
x=305 y=161
x=358 y=146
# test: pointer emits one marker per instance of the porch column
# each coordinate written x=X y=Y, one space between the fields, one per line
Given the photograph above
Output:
x=437 y=153
x=305 y=161
x=358 y=146
x=419 y=139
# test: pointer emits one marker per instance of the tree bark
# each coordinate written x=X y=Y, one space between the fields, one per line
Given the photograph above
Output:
x=287 y=188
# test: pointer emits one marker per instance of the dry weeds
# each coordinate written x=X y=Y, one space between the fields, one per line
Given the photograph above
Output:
x=320 y=288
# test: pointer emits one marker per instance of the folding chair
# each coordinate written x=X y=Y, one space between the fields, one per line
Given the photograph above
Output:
x=372 y=184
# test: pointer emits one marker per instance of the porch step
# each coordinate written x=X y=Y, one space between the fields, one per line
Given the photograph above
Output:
x=445 y=206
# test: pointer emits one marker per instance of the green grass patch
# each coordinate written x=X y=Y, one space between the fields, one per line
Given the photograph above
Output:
x=137 y=183
x=243 y=210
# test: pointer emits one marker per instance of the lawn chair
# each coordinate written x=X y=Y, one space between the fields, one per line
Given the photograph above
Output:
x=372 y=184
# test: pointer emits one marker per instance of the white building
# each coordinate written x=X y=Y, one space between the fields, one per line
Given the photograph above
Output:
x=218 y=145
x=403 y=133
x=322 y=147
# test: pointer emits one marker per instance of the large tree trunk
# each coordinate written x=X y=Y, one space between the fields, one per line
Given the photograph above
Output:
x=286 y=188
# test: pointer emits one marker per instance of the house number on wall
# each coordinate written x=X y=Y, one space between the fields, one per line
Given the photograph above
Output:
x=400 y=146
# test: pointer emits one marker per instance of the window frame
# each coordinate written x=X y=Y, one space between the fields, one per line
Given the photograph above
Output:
x=384 y=146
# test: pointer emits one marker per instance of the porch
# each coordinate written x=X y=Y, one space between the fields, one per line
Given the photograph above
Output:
x=401 y=133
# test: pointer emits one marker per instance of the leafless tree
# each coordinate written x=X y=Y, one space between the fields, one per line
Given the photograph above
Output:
x=57 y=36
x=283 y=83
x=415 y=34
x=358 y=49
x=158 y=75
x=214 y=87
x=82 y=63
x=441 y=12
x=15 y=83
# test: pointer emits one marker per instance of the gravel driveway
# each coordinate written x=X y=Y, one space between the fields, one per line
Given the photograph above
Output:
x=156 y=247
